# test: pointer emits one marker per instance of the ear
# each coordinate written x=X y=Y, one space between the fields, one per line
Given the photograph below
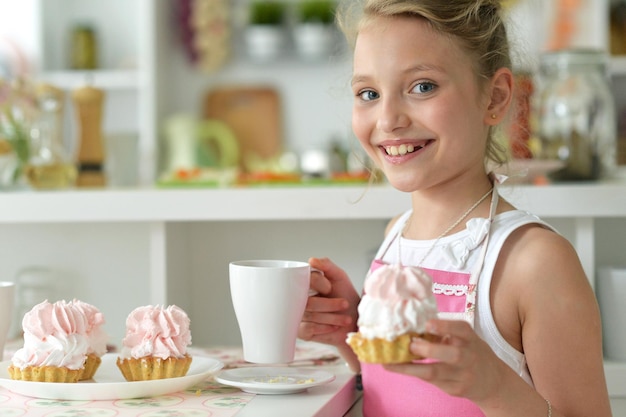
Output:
x=500 y=96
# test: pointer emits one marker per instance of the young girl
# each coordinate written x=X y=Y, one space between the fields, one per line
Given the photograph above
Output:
x=431 y=79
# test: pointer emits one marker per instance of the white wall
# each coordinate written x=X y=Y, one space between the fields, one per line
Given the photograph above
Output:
x=19 y=28
x=104 y=264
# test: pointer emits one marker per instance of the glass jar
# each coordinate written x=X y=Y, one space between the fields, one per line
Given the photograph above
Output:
x=34 y=284
x=575 y=109
x=49 y=166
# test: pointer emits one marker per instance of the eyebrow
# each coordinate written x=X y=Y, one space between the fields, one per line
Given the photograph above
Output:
x=418 y=68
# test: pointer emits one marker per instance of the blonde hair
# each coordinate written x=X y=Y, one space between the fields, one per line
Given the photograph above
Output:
x=476 y=25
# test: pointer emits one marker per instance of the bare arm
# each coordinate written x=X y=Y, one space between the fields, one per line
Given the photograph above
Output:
x=559 y=319
x=544 y=306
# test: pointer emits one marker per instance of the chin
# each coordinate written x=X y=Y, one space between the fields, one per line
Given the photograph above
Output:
x=404 y=185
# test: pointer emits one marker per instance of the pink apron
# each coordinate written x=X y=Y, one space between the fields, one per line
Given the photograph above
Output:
x=388 y=394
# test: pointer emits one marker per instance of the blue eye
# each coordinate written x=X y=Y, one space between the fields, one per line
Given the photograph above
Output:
x=423 y=88
x=368 y=95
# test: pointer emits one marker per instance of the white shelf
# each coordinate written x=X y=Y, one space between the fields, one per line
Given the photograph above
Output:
x=226 y=204
x=105 y=79
x=567 y=201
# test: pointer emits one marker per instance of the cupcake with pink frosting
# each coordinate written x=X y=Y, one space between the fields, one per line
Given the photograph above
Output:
x=58 y=339
x=397 y=303
x=96 y=338
x=155 y=344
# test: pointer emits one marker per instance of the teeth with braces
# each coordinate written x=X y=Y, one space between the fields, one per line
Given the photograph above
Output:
x=399 y=150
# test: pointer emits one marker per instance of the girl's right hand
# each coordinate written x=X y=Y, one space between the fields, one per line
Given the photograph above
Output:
x=332 y=313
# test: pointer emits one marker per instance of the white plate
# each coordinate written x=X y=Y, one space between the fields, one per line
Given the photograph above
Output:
x=109 y=383
x=273 y=380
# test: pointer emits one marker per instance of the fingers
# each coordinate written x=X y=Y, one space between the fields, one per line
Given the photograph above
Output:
x=330 y=318
x=323 y=304
x=444 y=355
x=327 y=312
x=331 y=271
x=331 y=313
x=326 y=320
x=320 y=283
x=450 y=337
x=334 y=282
x=331 y=335
x=327 y=326
x=311 y=331
x=448 y=350
x=317 y=263
x=451 y=332
x=457 y=358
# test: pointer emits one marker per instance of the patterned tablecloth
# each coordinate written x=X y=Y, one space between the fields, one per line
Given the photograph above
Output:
x=207 y=398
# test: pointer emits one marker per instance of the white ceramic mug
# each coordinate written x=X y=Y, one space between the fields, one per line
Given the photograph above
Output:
x=269 y=297
x=7 y=300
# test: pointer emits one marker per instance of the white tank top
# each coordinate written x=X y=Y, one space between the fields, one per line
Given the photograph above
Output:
x=460 y=252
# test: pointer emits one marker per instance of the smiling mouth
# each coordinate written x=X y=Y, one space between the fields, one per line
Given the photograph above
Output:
x=402 y=149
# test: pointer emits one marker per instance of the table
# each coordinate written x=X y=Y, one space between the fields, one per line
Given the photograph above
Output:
x=210 y=398
x=334 y=399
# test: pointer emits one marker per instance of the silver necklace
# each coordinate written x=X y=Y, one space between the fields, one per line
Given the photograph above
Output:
x=445 y=232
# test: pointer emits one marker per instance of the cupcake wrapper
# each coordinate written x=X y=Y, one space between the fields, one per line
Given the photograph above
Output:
x=45 y=374
x=384 y=351
x=149 y=368
x=92 y=363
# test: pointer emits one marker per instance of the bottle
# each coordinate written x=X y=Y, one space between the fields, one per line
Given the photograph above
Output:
x=84 y=49
x=49 y=166
x=576 y=114
x=88 y=102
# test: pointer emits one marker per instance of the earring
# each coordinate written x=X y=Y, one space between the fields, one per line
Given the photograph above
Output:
x=494 y=116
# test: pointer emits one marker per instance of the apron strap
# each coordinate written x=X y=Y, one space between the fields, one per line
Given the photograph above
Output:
x=470 y=301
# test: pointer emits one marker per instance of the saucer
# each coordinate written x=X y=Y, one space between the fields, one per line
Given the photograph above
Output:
x=273 y=380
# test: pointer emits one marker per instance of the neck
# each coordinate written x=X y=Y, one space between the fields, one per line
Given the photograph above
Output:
x=435 y=213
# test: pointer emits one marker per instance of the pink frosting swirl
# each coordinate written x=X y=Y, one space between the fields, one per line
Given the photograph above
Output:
x=96 y=335
x=394 y=283
x=397 y=300
x=156 y=331
x=46 y=319
x=54 y=335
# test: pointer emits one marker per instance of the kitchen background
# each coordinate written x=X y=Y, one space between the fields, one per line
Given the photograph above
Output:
x=137 y=244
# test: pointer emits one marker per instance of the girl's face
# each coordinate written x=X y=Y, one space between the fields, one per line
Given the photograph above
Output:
x=418 y=111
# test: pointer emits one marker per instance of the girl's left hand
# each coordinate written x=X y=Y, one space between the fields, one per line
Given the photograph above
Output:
x=461 y=363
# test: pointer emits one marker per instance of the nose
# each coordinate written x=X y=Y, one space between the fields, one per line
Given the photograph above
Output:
x=393 y=115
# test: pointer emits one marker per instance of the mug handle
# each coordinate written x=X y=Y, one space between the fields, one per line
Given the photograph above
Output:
x=311 y=291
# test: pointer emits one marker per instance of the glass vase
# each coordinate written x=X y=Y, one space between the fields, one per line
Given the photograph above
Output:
x=49 y=166
x=576 y=114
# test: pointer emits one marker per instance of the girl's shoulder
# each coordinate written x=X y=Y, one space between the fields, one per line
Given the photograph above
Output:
x=530 y=236
x=509 y=221
x=535 y=253
x=397 y=222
